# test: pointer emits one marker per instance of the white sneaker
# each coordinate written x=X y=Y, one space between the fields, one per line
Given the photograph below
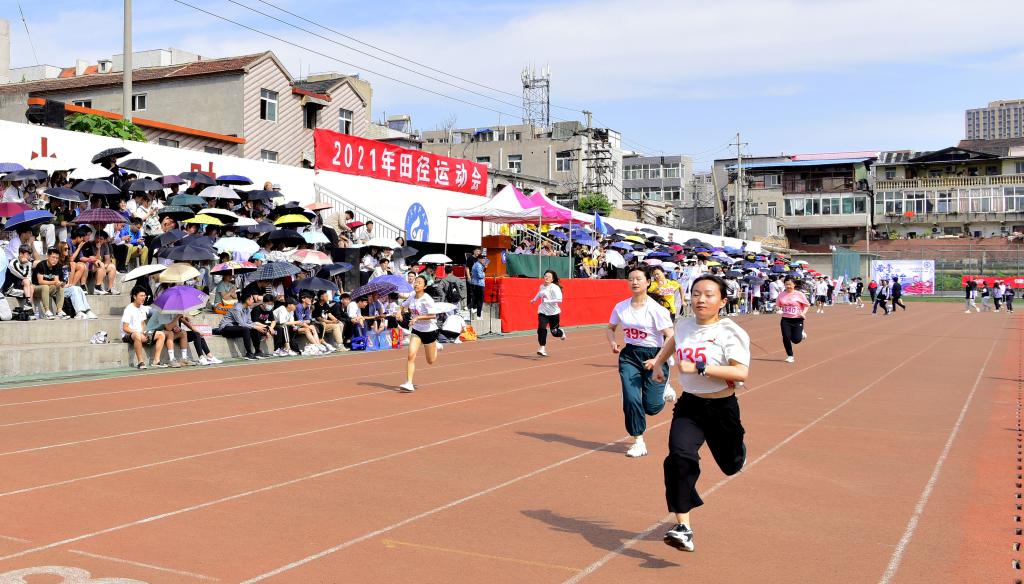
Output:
x=669 y=395
x=805 y=335
x=91 y=315
x=542 y=352
x=63 y=316
x=790 y=359
x=292 y=353
x=637 y=450
x=440 y=346
x=564 y=335
x=406 y=387
x=213 y=360
x=330 y=347
x=204 y=361
x=81 y=316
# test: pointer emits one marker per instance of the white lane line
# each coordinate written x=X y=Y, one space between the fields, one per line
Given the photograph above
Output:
x=302 y=479
x=14 y=539
x=590 y=569
x=270 y=410
x=282 y=438
x=142 y=565
x=901 y=547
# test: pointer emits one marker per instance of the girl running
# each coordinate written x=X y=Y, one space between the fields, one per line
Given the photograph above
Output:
x=985 y=295
x=970 y=291
x=549 y=312
x=794 y=306
x=666 y=291
x=712 y=355
x=645 y=324
x=423 y=328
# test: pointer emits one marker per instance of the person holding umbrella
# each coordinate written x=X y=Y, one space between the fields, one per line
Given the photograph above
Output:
x=133 y=329
x=423 y=325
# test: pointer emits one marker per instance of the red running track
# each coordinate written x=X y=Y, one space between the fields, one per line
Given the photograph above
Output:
x=891 y=451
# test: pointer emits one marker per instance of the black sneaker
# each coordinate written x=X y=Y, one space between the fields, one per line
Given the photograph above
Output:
x=262 y=356
x=680 y=537
x=250 y=357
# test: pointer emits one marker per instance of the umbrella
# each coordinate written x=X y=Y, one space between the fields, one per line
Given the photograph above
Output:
x=97 y=187
x=558 y=235
x=589 y=241
x=234 y=267
x=180 y=299
x=176 y=212
x=89 y=171
x=669 y=265
x=635 y=238
x=190 y=253
x=442 y=308
x=659 y=254
x=99 y=216
x=200 y=240
x=111 y=153
x=261 y=227
x=240 y=245
x=614 y=259
x=24 y=175
x=334 y=269
x=316 y=284
x=403 y=285
x=10 y=166
x=222 y=214
x=293 y=220
x=139 y=165
x=287 y=237
x=245 y=222
x=187 y=201
x=314 y=237
x=233 y=179
x=621 y=245
x=197 y=177
x=353 y=225
x=318 y=206
x=142 y=271
x=178 y=274
x=260 y=195
x=380 y=242
x=379 y=288
x=169 y=238
x=652 y=262
x=778 y=269
x=712 y=264
x=435 y=258
x=144 y=185
x=218 y=192
x=275 y=270
x=205 y=220
x=648 y=230
x=49 y=164
x=170 y=179
x=65 y=194
x=734 y=273
x=310 y=256
x=12 y=209
x=801 y=262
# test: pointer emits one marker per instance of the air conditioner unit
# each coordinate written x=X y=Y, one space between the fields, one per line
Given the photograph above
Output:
x=935 y=229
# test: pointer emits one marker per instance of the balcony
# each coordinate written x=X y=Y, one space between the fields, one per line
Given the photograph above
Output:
x=952 y=218
x=826 y=221
x=949 y=181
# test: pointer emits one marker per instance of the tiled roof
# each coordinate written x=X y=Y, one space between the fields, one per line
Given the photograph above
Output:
x=996 y=147
x=194 y=69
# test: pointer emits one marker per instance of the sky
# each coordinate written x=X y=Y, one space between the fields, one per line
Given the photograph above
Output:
x=673 y=77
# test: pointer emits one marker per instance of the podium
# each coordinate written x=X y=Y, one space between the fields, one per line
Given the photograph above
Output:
x=496 y=246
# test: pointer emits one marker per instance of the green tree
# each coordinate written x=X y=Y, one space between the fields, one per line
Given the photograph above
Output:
x=595 y=203
x=101 y=126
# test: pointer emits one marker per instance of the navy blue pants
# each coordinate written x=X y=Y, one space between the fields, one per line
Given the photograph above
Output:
x=642 y=396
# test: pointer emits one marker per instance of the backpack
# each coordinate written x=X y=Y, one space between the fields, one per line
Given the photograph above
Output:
x=451 y=293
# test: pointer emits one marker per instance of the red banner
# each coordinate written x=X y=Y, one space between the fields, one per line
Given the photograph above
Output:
x=586 y=301
x=1011 y=281
x=362 y=157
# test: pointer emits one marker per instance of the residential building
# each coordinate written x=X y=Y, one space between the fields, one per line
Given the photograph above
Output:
x=975 y=189
x=250 y=97
x=576 y=159
x=1000 y=120
x=764 y=200
x=654 y=187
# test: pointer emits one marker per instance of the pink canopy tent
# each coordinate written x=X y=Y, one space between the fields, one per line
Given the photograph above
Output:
x=539 y=198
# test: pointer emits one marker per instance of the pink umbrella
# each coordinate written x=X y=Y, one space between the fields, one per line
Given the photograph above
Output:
x=12 y=209
x=311 y=256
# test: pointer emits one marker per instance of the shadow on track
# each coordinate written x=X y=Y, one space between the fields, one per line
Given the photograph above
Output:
x=563 y=439
x=599 y=535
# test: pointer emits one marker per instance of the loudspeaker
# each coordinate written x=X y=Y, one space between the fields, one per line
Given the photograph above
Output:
x=49 y=114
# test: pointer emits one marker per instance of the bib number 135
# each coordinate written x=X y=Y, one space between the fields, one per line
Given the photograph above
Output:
x=692 y=354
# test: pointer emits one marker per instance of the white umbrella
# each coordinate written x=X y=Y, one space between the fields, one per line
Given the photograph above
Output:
x=442 y=308
x=218 y=192
x=381 y=242
x=653 y=262
x=435 y=258
x=50 y=164
x=240 y=245
x=614 y=258
x=314 y=237
x=669 y=265
x=144 y=271
x=89 y=171
x=246 y=222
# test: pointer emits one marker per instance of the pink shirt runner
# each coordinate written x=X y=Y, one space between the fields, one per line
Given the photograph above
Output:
x=792 y=304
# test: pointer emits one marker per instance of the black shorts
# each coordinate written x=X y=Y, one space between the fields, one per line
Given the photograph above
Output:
x=821 y=298
x=426 y=337
x=127 y=339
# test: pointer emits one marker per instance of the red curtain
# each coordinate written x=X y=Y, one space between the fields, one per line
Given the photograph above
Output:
x=584 y=301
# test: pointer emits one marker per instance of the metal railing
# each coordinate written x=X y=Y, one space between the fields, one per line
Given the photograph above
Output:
x=950 y=181
x=339 y=204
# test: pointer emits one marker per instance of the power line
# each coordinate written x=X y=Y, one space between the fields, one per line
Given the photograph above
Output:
x=27 y=33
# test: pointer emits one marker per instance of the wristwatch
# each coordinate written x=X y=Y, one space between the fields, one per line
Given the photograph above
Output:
x=701 y=367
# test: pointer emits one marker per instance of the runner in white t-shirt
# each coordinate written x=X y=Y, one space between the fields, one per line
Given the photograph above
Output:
x=820 y=295
x=549 y=313
x=713 y=355
x=423 y=323
x=645 y=324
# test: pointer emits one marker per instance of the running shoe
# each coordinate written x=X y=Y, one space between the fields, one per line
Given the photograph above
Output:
x=406 y=387
x=440 y=346
x=637 y=450
x=790 y=359
x=669 y=395
x=213 y=360
x=292 y=353
x=141 y=366
x=805 y=335
x=175 y=364
x=563 y=337
x=160 y=365
x=204 y=361
x=680 y=537
x=542 y=352
x=249 y=357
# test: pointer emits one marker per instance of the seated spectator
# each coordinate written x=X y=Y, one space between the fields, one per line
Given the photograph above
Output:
x=83 y=254
x=263 y=313
x=48 y=278
x=304 y=313
x=18 y=282
x=225 y=294
x=106 y=269
x=341 y=311
x=327 y=313
x=133 y=330
x=134 y=241
x=375 y=315
x=206 y=357
x=238 y=323
x=284 y=315
x=175 y=333
x=383 y=269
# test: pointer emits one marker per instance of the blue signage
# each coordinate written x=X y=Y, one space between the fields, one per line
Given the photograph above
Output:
x=417 y=227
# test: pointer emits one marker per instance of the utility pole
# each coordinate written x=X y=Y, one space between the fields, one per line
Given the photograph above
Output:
x=126 y=72
x=740 y=183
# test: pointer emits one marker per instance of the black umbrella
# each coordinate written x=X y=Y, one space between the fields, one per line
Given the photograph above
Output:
x=140 y=165
x=734 y=273
x=258 y=195
x=261 y=227
x=286 y=237
x=288 y=209
x=170 y=238
x=198 y=177
x=110 y=153
x=97 y=187
x=144 y=185
x=190 y=253
x=316 y=284
x=176 y=212
x=695 y=242
x=65 y=194
x=25 y=175
x=233 y=179
x=198 y=240
x=648 y=230
x=331 y=270
x=275 y=270
x=404 y=252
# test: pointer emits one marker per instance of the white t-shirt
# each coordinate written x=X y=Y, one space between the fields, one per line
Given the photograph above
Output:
x=420 y=306
x=715 y=344
x=353 y=310
x=641 y=327
x=546 y=294
x=282 y=316
x=821 y=289
x=135 y=317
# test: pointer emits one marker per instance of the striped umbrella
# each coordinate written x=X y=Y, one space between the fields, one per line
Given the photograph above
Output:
x=99 y=216
x=275 y=270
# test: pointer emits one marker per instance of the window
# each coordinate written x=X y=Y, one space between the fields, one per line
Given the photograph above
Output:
x=672 y=193
x=138 y=102
x=312 y=112
x=514 y=136
x=654 y=171
x=484 y=160
x=860 y=204
x=268 y=156
x=671 y=171
x=847 y=205
x=795 y=207
x=1019 y=166
x=268 y=105
x=991 y=170
x=344 y=121
x=166 y=142
x=945 y=202
x=213 y=150
x=1013 y=198
x=773 y=210
x=830 y=206
x=915 y=202
x=812 y=206
x=515 y=162
x=88 y=103
x=890 y=174
x=772 y=180
x=563 y=161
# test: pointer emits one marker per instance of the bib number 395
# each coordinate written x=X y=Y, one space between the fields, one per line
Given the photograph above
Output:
x=635 y=334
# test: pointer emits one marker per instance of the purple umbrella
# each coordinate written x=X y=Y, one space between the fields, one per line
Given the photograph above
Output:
x=180 y=299
x=233 y=179
x=171 y=179
x=404 y=287
x=375 y=287
x=99 y=216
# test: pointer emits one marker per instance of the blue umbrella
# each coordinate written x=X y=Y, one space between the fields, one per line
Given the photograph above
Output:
x=10 y=166
x=558 y=235
x=778 y=269
x=404 y=287
x=233 y=179
x=622 y=245
x=331 y=270
x=374 y=287
x=589 y=241
x=28 y=219
x=659 y=254
x=275 y=270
